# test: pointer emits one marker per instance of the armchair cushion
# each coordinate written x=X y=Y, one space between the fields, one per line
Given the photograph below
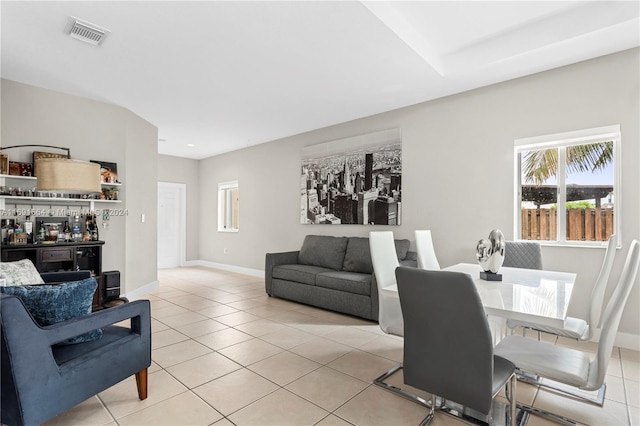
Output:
x=50 y=304
x=21 y=272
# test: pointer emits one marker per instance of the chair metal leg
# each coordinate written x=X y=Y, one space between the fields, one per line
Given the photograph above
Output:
x=511 y=397
x=432 y=412
x=380 y=381
x=500 y=415
x=597 y=399
x=508 y=415
x=556 y=418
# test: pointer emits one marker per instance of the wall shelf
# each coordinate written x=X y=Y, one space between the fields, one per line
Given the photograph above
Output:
x=18 y=181
x=15 y=199
x=33 y=178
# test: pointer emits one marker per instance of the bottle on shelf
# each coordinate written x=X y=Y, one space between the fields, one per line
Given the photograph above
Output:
x=95 y=236
x=42 y=233
x=17 y=235
x=6 y=224
x=66 y=231
x=76 y=229
x=10 y=230
x=28 y=229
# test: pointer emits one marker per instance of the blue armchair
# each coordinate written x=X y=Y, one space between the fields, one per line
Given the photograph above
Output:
x=41 y=379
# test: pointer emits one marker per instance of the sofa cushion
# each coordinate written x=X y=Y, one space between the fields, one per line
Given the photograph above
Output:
x=49 y=304
x=402 y=247
x=349 y=282
x=324 y=251
x=305 y=274
x=21 y=272
x=358 y=256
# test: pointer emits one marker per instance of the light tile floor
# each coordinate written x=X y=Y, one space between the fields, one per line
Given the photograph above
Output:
x=224 y=353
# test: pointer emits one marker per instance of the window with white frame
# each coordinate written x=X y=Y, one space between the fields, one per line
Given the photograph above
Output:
x=228 y=207
x=568 y=186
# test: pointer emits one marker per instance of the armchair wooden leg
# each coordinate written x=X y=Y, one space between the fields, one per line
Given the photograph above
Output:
x=141 y=382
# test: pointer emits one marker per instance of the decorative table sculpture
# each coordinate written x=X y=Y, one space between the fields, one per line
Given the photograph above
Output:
x=490 y=255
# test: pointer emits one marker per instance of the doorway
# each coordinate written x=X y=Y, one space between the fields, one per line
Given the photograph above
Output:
x=171 y=224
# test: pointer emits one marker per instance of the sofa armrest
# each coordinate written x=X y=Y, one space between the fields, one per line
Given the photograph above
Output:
x=138 y=311
x=274 y=259
x=375 y=302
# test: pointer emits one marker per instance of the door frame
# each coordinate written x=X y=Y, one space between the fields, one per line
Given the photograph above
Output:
x=182 y=211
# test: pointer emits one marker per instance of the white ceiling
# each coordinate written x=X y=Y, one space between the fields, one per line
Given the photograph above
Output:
x=226 y=75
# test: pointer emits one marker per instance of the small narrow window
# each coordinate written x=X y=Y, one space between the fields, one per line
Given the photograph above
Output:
x=568 y=186
x=228 y=207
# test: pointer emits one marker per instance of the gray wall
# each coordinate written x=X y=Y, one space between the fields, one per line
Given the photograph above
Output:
x=458 y=173
x=187 y=171
x=96 y=131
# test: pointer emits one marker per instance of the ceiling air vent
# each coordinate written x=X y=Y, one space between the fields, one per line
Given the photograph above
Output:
x=87 y=32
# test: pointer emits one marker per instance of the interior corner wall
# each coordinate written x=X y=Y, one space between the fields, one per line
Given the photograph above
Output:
x=93 y=131
x=141 y=239
x=187 y=171
x=458 y=171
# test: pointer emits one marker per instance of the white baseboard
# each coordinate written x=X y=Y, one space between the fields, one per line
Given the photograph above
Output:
x=258 y=273
x=140 y=292
x=628 y=341
x=623 y=340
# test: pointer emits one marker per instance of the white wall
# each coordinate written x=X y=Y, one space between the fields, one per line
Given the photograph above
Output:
x=141 y=148
x=187 y=171
x=96 y=131
x=457 y=171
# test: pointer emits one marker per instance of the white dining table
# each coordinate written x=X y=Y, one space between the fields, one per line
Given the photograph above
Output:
x=536 y=296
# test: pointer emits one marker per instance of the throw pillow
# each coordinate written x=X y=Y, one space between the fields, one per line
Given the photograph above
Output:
x=402 y=248
x=324 y=251
x=21 y=272
x=358 y=256
x=49 y=304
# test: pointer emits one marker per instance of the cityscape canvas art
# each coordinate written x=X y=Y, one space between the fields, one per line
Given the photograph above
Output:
x=356 y=180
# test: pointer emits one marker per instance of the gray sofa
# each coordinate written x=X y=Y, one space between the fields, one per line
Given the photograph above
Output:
x=333 y=273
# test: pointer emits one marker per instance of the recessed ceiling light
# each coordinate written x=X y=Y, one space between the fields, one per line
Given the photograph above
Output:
x=190 y=145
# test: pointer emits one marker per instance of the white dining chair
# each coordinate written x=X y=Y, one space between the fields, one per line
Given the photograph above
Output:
x=574 y=369
x=385 y=261
x=577 y=328
x=426 y=253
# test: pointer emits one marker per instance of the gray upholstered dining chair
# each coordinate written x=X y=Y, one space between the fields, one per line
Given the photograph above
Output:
x=522 y=254
x=577 y=328
x=41 y=378
x=448 y=349
x=571 y=367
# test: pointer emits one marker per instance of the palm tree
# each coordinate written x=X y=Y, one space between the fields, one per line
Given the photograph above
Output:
x=541 y=165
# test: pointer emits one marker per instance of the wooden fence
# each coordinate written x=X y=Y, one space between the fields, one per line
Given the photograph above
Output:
x=582 y=224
